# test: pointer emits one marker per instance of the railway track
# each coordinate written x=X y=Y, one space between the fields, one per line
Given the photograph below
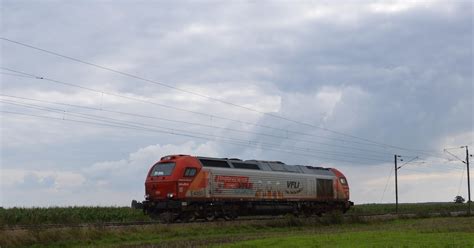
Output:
x=367 y=217
x=129 y=223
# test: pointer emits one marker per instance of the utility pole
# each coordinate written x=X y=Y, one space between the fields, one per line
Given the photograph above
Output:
x=468 y=182
x=396 y=182
x=468 y=174
x=395 y=158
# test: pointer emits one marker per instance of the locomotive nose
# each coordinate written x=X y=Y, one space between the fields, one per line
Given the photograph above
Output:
x=161 y=189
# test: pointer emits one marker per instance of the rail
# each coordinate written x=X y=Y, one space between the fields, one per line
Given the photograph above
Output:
x=363 y=217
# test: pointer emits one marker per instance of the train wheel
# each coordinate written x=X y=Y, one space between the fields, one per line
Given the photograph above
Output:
x=188 y=217
x=210 y=216
x=227 y=217
x=230 y=215
x=167 y=217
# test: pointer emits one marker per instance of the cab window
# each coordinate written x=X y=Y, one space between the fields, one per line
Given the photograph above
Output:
x=163 y=169
x=190 y=172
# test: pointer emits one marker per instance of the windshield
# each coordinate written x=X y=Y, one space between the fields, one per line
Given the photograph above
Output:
x=162 y=169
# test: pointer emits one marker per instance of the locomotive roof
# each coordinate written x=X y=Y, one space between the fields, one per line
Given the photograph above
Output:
x=263 y=165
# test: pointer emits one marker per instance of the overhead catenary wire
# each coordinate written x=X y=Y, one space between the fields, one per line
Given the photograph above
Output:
x=431 y=170
x=440 y=168
x=136 y=124
x=176 y=131
x=431 y=164
x=460 y=181
x=437 y=165
x=446 y=150
x=205 y=96
x=199 y=124
x=145 y=101
x=443 y=163
x=16 y=75
x=386 y=185
x=250 y=144
x=180 y=109
x=229 y=142
x=418 y=171
x=452 y=148
x=411 y=160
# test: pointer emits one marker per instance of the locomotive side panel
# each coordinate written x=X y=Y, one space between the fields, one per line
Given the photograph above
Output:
x=262 y=185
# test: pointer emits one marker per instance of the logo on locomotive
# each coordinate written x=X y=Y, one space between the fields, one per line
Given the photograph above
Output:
x=233 y=182
x=240 y=185
x=293 y=187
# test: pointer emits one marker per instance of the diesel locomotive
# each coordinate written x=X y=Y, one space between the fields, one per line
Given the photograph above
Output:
x=184 y=187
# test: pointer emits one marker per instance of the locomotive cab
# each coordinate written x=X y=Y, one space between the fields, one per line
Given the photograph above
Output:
x=169 y=177
x=342 y=188
x=159 y=183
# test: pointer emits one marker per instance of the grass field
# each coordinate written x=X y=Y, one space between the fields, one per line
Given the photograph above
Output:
x=366 y=239
x=415 y=208
x=65 y=215
x=329 y=231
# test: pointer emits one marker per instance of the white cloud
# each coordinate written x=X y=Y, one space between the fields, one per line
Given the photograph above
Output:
x=138 y=163
x=55 y=180
x=105 y=183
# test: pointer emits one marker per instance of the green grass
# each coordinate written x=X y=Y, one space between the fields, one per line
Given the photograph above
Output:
x=66 y=215
x=416 y=208
x=304 y=232
x=365 y=239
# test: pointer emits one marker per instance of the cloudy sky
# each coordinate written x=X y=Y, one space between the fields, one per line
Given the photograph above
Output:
x=334 y=84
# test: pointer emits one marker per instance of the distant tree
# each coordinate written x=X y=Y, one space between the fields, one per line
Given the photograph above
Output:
x=459 y=199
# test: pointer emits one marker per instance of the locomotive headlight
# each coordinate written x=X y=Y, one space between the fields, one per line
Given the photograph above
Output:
x=147 y=196
x=170 y=195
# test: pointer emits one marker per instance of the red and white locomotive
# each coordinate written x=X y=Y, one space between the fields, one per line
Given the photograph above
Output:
x=186 y=187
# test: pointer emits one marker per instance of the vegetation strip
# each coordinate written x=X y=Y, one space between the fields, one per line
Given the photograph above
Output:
x=219 y=233
x=83 y=215
x=241 y=220
x=127 y=224
x=364 y=239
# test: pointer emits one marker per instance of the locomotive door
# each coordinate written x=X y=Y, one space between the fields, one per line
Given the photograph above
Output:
x=324 y=189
